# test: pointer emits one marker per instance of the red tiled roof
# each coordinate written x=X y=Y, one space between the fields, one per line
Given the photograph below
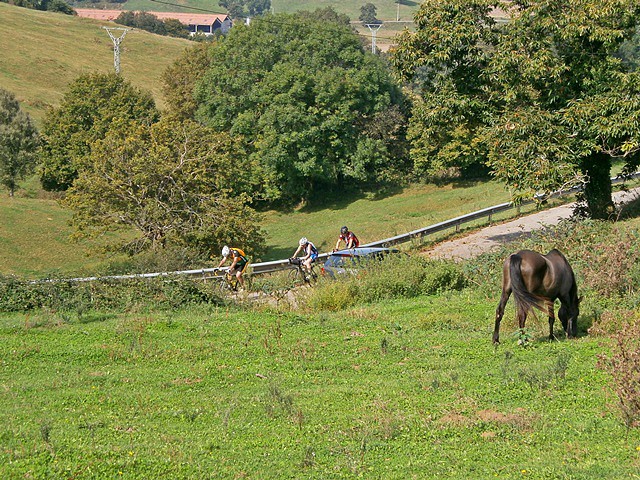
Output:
x=186 y=18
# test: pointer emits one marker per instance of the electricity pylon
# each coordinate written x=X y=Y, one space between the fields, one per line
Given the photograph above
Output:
x=373 y=27
x=116 y=45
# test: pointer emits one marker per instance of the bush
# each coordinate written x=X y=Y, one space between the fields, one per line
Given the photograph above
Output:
x=624 y=367
x=161 y=292
x=397 y=276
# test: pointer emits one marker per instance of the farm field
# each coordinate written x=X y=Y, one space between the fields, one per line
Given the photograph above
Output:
x=407 y=388
x=43 y=52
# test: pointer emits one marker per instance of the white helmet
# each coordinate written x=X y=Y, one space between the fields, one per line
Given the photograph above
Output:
x=303 y=241
x=225 y=251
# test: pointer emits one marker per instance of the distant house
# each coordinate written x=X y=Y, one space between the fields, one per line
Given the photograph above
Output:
x=207 y=24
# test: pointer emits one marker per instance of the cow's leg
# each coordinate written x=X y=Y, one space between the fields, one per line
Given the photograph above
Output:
x=500 y=313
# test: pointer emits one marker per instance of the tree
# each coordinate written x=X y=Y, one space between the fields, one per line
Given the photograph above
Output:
x=524 y=97
x=630 y=51
x=303 y=94
x=368 y=14
x=180 y=78
x=91 y=105
x=173 y=183
x=18 y=142
x=244 y=8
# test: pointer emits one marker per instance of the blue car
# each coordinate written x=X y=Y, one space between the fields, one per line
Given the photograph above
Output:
x=350 y=261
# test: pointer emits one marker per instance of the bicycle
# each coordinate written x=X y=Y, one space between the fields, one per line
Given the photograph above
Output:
x=227 y=282
x=299 y=274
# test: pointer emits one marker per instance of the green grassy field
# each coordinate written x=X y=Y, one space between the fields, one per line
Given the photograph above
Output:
x=42 y=52
x=373 y=219
x=401 y=389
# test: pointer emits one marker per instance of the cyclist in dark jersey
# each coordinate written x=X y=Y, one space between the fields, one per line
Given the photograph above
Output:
x=238 y=262
x=347 y=237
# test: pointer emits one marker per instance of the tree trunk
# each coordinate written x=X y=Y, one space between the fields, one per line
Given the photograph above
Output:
x=597 y=191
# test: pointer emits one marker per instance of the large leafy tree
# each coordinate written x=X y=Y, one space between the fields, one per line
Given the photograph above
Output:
x=18 y=142
x=244 y=8
x=170 y=183
x=90 y=107
x=542 y=99
x=307 y=99
x=180 y=78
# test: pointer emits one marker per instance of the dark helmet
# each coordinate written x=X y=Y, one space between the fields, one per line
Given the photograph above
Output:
x=344 y=230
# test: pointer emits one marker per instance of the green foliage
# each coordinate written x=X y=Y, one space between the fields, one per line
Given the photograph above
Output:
x=59 y=6
x=526 y=96
x=305 y=97
x=623 y=365
x=240 y=9
x=19 y=140
x=151 y=23
x=179 y=80
x=18 y=295
x=368 y=14
x=92 y=104
x=397 y=276
x=630 y=51
x=170 y=183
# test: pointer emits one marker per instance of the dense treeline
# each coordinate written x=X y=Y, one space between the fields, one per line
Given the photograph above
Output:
x=59 y=6
x=151 y=23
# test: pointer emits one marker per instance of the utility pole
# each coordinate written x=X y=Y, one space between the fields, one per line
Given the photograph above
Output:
x=373 y=27
x=116 y=45
x=398 y=11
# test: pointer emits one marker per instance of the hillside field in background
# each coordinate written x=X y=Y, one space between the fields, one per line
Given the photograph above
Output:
x=42 y=52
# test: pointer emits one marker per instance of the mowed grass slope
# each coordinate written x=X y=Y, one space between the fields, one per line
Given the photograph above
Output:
x=374 y=219
x=34 y=231
x=42 y=52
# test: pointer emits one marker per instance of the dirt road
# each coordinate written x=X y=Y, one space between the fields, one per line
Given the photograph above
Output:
x=493 y=236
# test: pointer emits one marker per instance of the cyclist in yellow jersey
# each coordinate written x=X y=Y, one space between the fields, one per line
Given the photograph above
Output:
x=238 y=262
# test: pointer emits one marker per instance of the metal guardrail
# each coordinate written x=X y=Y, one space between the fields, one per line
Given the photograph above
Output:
x=278 y=265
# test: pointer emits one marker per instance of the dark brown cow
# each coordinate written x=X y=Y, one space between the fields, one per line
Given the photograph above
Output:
x=536 y=280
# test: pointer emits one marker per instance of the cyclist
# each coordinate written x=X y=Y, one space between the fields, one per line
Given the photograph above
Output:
x=348 y=237
x=310 y=251
x=238 y=262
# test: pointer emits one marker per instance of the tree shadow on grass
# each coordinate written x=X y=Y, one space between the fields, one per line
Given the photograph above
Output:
x=340 y=200
x=630 y=210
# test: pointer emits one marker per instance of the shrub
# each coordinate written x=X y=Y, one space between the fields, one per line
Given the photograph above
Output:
x=397 y=276
x=106 y=294
x=624 y=367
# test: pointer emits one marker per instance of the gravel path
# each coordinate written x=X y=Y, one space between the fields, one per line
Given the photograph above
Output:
x=493 y=236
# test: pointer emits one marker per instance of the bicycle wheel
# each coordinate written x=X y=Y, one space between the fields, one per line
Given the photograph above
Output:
x=224 y=286
x=296 y=276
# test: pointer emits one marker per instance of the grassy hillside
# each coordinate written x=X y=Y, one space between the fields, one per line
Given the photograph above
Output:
x=34 y=231
x=377 y=218
x=42 y=52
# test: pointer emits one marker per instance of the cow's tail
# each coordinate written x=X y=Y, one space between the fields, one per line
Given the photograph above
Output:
x=525 y=300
